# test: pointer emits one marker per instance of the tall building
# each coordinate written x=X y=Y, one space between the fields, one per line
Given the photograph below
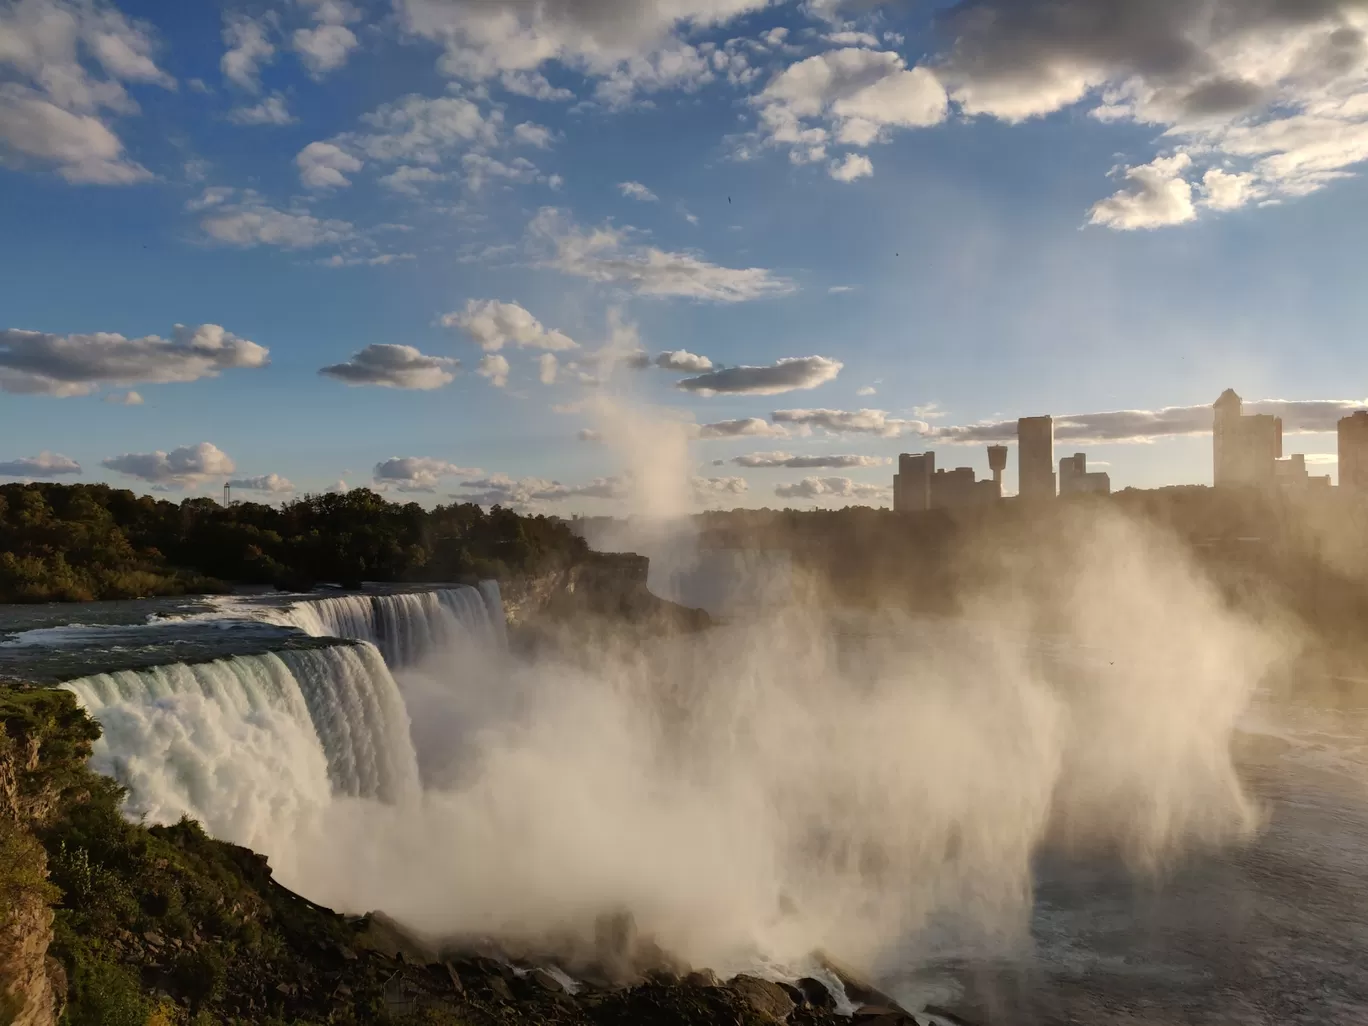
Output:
x=1353 y=452
x=1244 y=449
x=1074 y=478
x=997 y=463
x=1035 y=457
x=912 y=482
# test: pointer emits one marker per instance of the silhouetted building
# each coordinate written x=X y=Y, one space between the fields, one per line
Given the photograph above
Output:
x=1074 y=478
x=912 y=482
x=1035 y=457
x=955 y=489
x=997 y=463
x=1291 y=474
x=1353 y=451
x=1244 y=449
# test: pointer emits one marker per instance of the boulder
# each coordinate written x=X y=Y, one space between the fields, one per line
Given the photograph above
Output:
x=764 y=997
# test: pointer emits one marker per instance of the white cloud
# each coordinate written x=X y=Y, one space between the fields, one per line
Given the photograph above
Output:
x=53 y=95
x=480 y=167
x=852 y=38
x=788 y=375
x=533 y=85
x=324 y=48
x=852 y=96
x=629 y=45
x=323 y=165
x=768 y=460
x=393 y=366
x=746 y=427
x=270 y=111
x=39 y=363
x=866 y=391
x=865 y=422
x=501 y=490
x=492 y=324
x=417 y=473
x=1226 y=191
x=637 y=191
x=45 y=464
x=271 y=483
x=1156 y=195
x=188 y=466
x=407 y=179
x=831 y=488
x=684 y=361
x=1274 y=92
x=547 y=368
x=533 y=135
x=249 y=47
x=590 y=435
x=246 y=220
x=379 y=260
x=855 y=166
x=608 y=255
x=712 y=489
x=124 y=399
x=495 y=368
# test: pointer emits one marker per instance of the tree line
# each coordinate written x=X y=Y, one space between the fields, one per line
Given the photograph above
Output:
x=77 y=543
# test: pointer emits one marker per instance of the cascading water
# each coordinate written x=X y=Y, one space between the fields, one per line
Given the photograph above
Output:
x=246 y=744
x=407 y=627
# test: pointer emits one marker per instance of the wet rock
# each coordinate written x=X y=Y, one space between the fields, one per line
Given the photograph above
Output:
x=153 y=938
x=815 y=993
x=702 y=978
x=764 y=997
x=541 y=978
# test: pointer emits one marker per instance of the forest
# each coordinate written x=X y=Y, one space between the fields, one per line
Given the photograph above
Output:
x=77 y=543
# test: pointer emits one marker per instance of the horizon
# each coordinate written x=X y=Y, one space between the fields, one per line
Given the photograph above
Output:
x=405 y=245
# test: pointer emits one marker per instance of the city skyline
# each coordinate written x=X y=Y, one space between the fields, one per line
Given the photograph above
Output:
x=410 y=245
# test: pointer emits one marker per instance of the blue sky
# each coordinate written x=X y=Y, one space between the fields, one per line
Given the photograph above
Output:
x=1111 y=209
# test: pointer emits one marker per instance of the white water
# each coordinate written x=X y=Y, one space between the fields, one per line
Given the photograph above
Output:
x=406 y=627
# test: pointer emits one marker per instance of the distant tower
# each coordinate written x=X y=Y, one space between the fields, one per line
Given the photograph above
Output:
x=227 y=493
x=912 y=482
x=1353 y=452
x=997 y=463
x=1226 y=439
x=1035 y=457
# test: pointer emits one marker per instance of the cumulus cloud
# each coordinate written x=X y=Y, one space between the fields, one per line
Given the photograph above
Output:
x=394 y=366
x=637 y=191
x=1308 y=416
x=271 y=483
x=787 y=375
x=270 y=111
x=851 y=97
x=855 y=166
x=501 y=490
x=547 y=368
x=188 y=466
x=416 y=473
x=45 y=464
x=124 y=399
x=1156 y=195
x=533 y=85
x=64 y=66
x=495 y=368
x=713 y=489
x=608 y=254
x=864 y=422
x=326 y=46
x=830 y=488
x=249 y=48
x=40 y=363
x=493 y=324
x=1275 y=93
x=533 y=135
x=783 y=459
x=323 y=165
x=746 y=427
x=244 y=219
x=629 y=45
x=684 y=361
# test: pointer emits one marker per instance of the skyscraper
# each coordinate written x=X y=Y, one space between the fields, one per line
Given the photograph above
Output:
x=1353 y=452
x=912 y=482
x=1244 y=449
x=1075 y=478
x=1035 y=457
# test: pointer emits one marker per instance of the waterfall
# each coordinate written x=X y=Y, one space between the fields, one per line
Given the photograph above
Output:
x=247 y=744
x=406 y=627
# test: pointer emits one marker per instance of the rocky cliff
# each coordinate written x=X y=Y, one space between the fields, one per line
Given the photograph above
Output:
x=607 y=587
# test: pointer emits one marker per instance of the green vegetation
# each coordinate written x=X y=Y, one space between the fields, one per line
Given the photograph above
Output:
x=75 y=543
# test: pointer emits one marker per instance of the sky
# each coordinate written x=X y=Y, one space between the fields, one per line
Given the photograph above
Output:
x=438 y=247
